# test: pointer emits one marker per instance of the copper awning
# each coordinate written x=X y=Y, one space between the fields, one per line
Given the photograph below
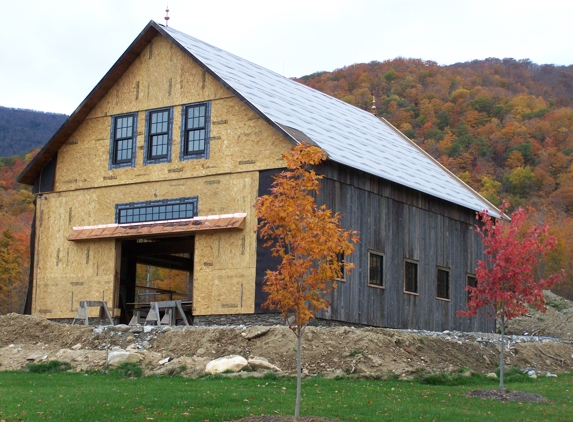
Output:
x=159 y=228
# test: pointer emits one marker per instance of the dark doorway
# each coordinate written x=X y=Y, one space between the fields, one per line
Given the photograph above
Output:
x=143 y=278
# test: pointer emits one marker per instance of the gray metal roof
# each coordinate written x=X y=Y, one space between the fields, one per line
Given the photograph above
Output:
x=349 y=135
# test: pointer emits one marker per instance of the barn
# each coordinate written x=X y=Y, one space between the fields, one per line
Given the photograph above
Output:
x=161 y=164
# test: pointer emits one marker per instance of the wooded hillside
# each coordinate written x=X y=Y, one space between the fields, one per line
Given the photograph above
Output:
x=505 y=127
x=23 y=130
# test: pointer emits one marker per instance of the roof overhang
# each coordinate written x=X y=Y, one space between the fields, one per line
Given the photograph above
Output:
x=159 y=228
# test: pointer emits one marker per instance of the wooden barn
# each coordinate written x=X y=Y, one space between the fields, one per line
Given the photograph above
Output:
x=162 y=163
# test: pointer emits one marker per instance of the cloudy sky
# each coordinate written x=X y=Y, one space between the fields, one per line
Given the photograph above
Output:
x=52 y=53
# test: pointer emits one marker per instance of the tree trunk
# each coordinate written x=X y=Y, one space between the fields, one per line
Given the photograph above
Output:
x=501 y=388
x=299 y=333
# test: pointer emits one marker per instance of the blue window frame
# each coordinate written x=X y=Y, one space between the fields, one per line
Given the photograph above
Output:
x=123 y=139
x=158 y=136
x=167 y=209
x=195 y=131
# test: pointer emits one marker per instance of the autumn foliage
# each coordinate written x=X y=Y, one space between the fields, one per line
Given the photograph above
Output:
x=509 y=281
x=308 y=239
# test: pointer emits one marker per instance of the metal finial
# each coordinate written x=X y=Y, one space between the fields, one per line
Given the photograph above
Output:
x=167 y=16
x=373 y=108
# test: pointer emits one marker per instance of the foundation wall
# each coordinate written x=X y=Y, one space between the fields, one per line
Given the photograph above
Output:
x=86 y=190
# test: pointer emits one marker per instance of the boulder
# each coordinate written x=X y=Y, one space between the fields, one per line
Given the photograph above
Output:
x=117 y=358
x=232 y=363
x=261 y=364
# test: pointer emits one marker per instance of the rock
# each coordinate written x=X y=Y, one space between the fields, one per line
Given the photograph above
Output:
x=551 y=375
x=491 y=375
x=129 y=339
x=132 y=348
x=122 y=328
x=164 y=361
x=531 y=374
x=36 y=356
x=76 y=346
x=200 y=352
x=258 y=332
x=117 y=358
x=257 y=364
x=136 y=329
x=233 y=363
x=147 y=329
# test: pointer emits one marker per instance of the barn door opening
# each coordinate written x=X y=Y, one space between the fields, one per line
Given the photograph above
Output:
x=155 y=270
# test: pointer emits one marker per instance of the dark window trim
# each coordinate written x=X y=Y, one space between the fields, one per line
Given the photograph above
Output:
x=119 y=208
x=380 y=285
x=417 y=281
x=183 y=142
x=147 y=145
x=468 y=276
x=340 y=258
x=112 y=142
x=445 y=270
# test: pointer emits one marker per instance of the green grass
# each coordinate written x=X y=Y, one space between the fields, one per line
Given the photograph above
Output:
x=96 y=396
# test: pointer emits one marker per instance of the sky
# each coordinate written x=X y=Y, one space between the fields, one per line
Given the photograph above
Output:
x=53 y=52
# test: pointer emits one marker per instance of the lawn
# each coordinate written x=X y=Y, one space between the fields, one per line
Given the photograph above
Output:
x=66 y=396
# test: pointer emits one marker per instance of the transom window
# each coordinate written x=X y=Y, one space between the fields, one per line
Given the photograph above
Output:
x=443 y=284
x=375 y=269
x=170 y=209
x=195 y=134
x=411 y=277
x=123 y=136
x=158 y=136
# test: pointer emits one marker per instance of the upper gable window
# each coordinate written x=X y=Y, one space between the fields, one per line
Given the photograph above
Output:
x=122 y=141
x=158 y=137
x=195 y=131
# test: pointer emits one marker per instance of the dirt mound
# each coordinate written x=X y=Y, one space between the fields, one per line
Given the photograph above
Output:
x=332 y=351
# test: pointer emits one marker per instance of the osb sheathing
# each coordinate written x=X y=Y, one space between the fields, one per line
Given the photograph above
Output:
x=86 y=191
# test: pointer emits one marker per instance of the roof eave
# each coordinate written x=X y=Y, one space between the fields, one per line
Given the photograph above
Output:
x=43 y=157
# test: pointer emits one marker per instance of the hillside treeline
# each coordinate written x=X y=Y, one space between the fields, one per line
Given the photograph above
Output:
x=505 y=127
x=23 y=130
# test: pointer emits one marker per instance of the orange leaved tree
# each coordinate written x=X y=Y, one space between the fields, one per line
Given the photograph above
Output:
x=506 y=282
x=309 y=239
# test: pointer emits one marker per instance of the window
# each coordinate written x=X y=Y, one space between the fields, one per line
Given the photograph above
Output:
x=340 y=259
x=443 y=284
x=471 y=281
x=169 y=209
x=410 y=277
x=158 y=136
x=123 y=138
x=195 y=131
x=375 y=269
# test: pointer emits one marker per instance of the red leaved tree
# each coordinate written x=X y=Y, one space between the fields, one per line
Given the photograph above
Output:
x=308 y=238
x=506 y=281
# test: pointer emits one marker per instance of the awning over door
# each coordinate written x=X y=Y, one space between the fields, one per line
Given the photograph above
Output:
x=159 y=228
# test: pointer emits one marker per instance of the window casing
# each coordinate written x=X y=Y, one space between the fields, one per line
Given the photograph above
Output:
x=443 y=284
x=410 y=277
x=195 y=131
x=123 y=139
x=375 y=269
x=168 y=209
x=158 y=136
x=471 y=281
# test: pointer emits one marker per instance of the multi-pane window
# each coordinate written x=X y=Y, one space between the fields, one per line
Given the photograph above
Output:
x=443 y=284
x=195 y=136
x=471 y=281
x=172 y=209
x=123 y=135
x=158 y=136
x=410 y=277
x=375 y=269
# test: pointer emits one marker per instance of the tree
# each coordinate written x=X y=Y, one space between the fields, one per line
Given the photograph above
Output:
x=506 y=283
x=310 y=241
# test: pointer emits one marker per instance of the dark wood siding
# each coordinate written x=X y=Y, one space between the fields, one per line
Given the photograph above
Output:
x=402 y=224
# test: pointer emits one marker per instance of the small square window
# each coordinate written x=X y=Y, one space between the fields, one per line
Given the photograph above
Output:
x=411 y=277
x=443 y=284
x=375 y=269
x=471 y=281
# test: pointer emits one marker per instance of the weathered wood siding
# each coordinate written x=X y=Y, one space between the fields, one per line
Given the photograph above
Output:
x=402 y=223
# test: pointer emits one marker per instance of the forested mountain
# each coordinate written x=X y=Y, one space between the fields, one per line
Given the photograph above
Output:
x=505 y=127
x=23 y=130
